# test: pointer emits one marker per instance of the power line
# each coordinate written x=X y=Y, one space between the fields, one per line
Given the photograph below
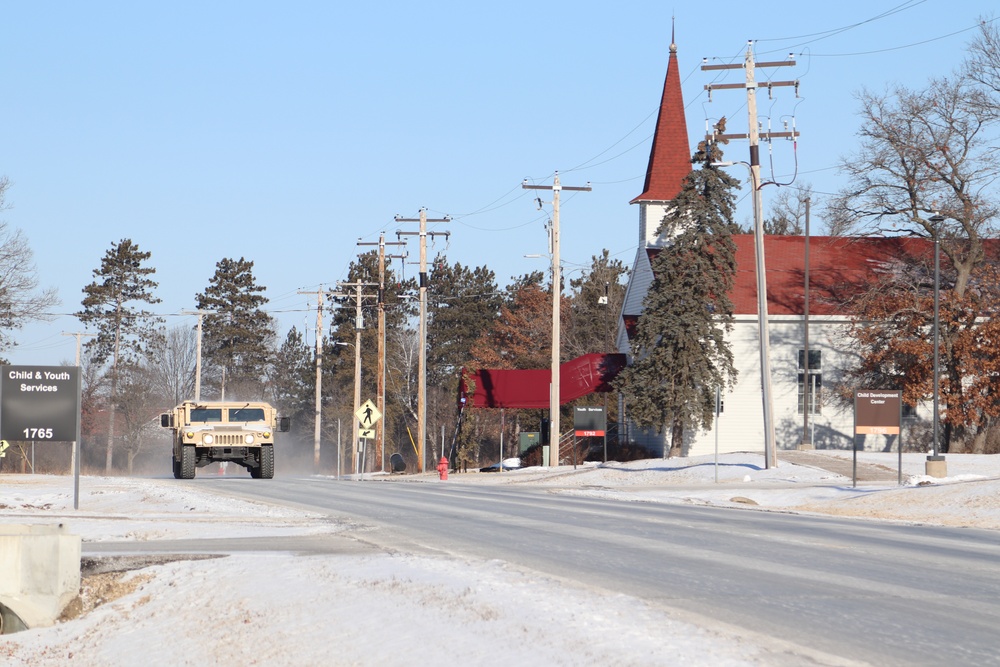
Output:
x=901 y=47
x=909 y=4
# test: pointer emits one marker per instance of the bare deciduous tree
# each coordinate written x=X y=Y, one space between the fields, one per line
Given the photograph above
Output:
x=173 y=361
x=927 y=153
x=788 y=211
x=20 y=299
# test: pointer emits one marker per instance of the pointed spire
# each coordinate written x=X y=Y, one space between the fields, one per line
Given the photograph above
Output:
x=670 y=155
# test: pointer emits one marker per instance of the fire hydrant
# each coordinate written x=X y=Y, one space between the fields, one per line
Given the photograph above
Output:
x=443 y=468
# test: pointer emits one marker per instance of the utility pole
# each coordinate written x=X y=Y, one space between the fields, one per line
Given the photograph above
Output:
x=359 y=324
x=770 y=454
x=554 y=394
x=318 y=416
x=197 y=354
x=79 y=335
x=380 y=397
x=422 y=335
x=75 y=445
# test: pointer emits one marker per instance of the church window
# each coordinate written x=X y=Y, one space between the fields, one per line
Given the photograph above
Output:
x=814 y=376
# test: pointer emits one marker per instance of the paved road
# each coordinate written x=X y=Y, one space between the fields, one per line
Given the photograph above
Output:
x=834 y=589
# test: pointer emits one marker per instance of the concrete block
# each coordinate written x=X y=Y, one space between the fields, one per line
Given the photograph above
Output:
x=936 y=466
x=39 y=571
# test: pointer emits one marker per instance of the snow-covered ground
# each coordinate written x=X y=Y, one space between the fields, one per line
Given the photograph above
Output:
x=282 y=609
x=967 y=497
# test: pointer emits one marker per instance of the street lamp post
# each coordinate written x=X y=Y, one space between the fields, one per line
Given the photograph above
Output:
x=605 y=301
x=357 y=395
x=936 y=466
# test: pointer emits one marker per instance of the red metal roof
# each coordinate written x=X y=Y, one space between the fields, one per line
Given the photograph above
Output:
x=839 y=267
x=670 y=156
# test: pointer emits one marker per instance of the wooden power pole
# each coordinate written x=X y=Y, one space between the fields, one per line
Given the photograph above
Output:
x=554 y=390
x=422 y=335
x=359 y=325
x=770 y=453
x=380 y=392
x=197 y=353
x=318 y=410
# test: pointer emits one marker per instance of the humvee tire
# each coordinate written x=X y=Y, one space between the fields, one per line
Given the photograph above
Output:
x=187 y=462
x=266 y=468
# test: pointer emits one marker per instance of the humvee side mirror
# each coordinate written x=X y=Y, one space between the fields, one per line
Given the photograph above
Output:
x=283 y=424
x=165 y=420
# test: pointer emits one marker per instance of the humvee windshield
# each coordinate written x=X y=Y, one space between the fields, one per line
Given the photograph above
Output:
x=246 y=414
x=206 y=414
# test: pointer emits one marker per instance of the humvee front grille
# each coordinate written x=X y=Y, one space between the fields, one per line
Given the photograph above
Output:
x=223 y=439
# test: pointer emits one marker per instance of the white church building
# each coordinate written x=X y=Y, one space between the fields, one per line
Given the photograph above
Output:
x=839 y=266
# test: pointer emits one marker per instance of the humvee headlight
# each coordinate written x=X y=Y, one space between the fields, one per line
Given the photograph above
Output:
x=208 y=439
x=248 y=438
x=267 y=434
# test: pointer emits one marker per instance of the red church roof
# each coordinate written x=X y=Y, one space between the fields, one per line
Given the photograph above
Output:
x=670 y=156
x=839 y=268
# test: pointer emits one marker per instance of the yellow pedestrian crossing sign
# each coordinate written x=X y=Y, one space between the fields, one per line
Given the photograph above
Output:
x=368 y=415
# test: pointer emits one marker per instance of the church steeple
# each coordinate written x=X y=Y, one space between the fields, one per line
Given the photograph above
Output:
x=670 y=156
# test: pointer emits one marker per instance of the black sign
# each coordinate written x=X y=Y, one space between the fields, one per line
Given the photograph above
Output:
x=39 y=403
x=589 y=421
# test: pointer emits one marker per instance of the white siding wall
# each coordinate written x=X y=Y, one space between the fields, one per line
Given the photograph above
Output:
x=635 y=292
x=650 y=216
x=742 y=423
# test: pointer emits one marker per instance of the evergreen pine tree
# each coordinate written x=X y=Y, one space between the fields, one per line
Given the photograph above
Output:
x=680 y=352
x=461 y=303
x=293 y=390
x=238 y=337
x=124 y=330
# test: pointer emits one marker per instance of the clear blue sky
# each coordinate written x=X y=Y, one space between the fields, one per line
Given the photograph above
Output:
x=285 y=132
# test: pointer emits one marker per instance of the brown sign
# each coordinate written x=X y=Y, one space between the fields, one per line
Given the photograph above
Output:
x=877 y=411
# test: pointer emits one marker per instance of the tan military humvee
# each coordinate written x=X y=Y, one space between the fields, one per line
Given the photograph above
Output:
x=217 y=431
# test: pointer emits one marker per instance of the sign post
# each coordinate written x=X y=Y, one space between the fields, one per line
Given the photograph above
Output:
x=42 y=403
x=878 y=412
x=368 y=415
x=589 y=421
